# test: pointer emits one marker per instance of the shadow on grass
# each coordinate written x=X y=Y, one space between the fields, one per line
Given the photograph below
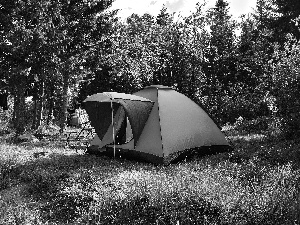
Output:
x=48 y=177
x=64 y=185
x=273 y=150
x=174 y=210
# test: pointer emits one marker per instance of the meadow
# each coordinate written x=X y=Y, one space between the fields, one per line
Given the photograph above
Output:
x=257 y=183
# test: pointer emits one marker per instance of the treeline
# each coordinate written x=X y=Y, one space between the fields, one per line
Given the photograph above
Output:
x=58 y=51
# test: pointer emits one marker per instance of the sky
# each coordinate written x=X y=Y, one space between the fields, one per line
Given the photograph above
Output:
x=127 y=7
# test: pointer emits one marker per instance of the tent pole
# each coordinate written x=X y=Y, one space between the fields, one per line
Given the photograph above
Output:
x=113 y=126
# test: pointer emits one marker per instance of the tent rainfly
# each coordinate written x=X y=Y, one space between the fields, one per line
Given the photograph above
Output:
x=107 y=112
x=156 y=124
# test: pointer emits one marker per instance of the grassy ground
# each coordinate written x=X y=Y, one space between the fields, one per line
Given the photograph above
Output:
x=257 y=183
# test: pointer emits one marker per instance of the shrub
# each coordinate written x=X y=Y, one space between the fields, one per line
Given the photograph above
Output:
x=286 y=86
x=259 y=125
x=9 y=171
x=240 y=102
x=6 y=168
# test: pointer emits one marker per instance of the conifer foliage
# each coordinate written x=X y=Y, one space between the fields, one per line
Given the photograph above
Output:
x=59 y=52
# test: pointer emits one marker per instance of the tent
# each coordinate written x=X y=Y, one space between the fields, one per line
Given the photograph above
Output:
x=118 y=118
x=156 y=124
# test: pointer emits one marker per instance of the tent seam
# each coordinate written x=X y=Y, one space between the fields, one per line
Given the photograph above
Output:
x=161 y=138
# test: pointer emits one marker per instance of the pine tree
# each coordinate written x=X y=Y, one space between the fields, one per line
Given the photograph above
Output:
x=49 y=40
x=220 y=55
x=286 y=19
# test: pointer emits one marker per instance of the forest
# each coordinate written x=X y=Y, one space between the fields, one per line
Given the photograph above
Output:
x=59 y=52
x=244 y=71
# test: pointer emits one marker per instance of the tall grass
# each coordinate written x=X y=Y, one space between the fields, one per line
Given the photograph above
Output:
x=64 y=188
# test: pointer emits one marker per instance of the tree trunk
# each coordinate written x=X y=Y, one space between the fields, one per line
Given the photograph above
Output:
x=50 y=111
x=19 y=107
x=50 y=105
x=33 y=126
x=40 y=108
x=39 y=99
x=64 y=112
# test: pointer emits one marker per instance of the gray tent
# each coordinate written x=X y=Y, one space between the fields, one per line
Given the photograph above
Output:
x=156 y=123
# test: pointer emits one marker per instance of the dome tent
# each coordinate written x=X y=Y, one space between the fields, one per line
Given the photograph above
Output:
x=169 y=123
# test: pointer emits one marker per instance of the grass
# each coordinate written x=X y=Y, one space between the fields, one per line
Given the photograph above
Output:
x=257 y=183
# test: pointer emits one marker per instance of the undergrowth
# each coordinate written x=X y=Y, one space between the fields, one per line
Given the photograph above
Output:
x=257 y=183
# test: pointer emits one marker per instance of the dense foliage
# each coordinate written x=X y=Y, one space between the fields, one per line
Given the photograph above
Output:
x=246 y=73
x=60 y=52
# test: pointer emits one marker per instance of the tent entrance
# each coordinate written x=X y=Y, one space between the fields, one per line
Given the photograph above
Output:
x=120 y=131
x=124 y=133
